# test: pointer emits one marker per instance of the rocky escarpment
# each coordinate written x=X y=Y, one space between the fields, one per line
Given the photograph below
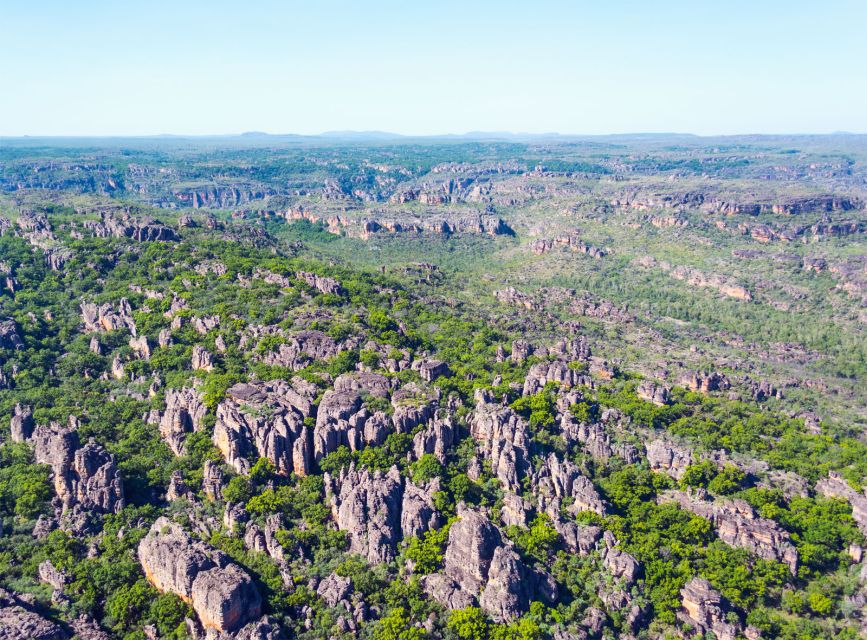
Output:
x=266 y=419
x=712 y=203
x=480 y=567
x=738 y=525
x=223 y=596
x=220 y=196
x=405 y=223
x=378 y=510
x=140 y=229
x=571 y=242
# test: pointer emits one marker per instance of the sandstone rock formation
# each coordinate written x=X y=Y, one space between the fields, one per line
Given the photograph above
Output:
x=19 y=622
x=707 y=611
x=266 y=419
x=503 y=439
x=220 y=592
x=738 y=525
x=106 y=317
x=379 y=509
x=481 y=567
x=185 y=410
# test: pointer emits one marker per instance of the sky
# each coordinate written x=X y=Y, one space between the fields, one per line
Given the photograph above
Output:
x=421 y=67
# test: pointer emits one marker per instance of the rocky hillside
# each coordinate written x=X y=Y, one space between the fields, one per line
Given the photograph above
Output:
x=225 y=425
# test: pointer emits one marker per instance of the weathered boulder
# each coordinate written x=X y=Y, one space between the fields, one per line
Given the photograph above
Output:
x=220 y=592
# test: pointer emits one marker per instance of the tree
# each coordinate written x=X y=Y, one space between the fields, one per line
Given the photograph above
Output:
x=469 y=623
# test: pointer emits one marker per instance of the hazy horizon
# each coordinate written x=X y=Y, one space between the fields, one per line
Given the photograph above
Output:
x=96 y=69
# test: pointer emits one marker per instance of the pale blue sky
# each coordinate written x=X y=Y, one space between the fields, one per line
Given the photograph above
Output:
x=86 y=67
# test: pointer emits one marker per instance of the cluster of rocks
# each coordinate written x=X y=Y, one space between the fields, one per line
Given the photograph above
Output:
x=107 y=317
x=658 y=394
x=344 y=419
x=738 y=525
x=85 y=477
x=321 y=283
x=704 y=382
x=301 y=348
x=379 y=509
x=667 y=457
x=714 y=281
x=481 y=568
x=266 y=419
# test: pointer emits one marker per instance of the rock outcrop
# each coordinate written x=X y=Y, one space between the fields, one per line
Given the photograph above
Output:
x=185 y=410
x=556 y=481
x=379 y=509
x=18 y=621
x=84 y=476
x=106 y=317
x=738 y=525
x=480 y=566
x=503 y=439
x=835 y=486
x=266 y=419
x=707 y=611
x=663 y=455
x=223 y=596
x=9 y=338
